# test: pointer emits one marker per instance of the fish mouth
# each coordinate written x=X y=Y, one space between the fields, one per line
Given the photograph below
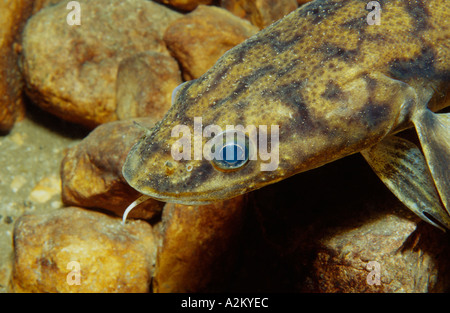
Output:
x=187 y=197
x=177 y=198
x=174 y=196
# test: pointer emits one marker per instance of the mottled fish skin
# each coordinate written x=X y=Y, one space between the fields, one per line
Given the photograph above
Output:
x=334 y=84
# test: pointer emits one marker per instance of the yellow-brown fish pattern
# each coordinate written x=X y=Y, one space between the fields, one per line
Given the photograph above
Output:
x=333 y=85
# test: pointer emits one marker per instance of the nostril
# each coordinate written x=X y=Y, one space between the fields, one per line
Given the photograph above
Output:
x=169 y=167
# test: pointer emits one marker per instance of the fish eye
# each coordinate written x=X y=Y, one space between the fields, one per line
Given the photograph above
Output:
x=233 y=153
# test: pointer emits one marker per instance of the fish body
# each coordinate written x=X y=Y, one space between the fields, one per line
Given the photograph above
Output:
x=332 y=84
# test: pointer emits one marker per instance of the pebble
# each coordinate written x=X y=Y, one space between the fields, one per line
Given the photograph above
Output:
x=79 y=85
x=145 y=83
x=260 y=13
x=196 y=41
x=77 y=250
x=17 y=183
x=186 y=5
x=91 y=171
x=45 y=189
x=18 y=138
x=199 y=246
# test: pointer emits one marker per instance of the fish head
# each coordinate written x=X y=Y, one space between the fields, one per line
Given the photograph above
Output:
x=210 y=145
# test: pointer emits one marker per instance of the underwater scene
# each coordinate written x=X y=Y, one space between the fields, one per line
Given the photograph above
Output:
x=224 y=146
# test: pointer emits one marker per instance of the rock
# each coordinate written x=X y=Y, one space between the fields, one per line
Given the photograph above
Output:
x=301 y=2
x=338 y=229
x=186 y=5
x=45 y=189
x=199 y=246
x=18 y=138
x=30 y=153
x=18 y=182
x=70 y=70
x=40 y=4
x=197 y=42
x=91 y=172
x=13 y=15
x=389 y=255
x=76 y=250
x=144 y=85
x=260 y=13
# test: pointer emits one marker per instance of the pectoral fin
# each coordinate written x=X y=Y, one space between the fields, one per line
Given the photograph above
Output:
x=434 y=135
x=402 y=167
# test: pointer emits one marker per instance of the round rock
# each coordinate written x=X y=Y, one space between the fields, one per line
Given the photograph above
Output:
x=70 y=70
x=76 y=250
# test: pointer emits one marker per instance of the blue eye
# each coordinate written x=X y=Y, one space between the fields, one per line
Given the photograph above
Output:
x=232 y=154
